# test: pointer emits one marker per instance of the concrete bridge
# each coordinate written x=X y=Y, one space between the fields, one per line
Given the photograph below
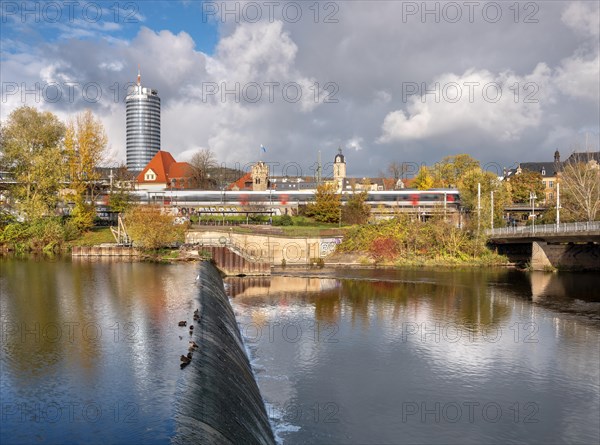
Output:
x=573 y=246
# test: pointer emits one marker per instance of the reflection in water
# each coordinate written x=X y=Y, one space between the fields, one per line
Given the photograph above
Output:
x=387 y=356
x=90 y=350
x=90 y=353
x=576 y=292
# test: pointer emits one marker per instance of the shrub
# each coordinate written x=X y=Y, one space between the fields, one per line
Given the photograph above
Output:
x=71 y=231
x=283 y=220
x=83 y=215
x=383 y=249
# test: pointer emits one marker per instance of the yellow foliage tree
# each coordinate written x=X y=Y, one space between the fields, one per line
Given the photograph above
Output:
x=423 y=180
x=151 y=228
x=327 y=204
x=85 y=148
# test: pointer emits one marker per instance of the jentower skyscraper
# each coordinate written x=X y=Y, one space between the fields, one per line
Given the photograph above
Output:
x=143 y=125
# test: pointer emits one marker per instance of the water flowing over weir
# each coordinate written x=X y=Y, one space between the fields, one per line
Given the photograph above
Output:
x=220 y=402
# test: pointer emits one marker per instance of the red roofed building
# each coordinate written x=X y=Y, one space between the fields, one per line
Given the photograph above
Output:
x=164 y=172
x=244 y=183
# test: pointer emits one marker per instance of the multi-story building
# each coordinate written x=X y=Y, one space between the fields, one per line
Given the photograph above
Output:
x=549 y=171
x=142 y=125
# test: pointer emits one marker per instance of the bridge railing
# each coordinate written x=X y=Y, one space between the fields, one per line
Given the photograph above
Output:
x=586 y=226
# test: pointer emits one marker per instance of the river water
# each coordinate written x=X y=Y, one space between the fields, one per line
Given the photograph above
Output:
x=90 y=353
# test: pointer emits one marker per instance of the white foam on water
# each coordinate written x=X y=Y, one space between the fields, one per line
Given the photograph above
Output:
x=275 y=415
x=278 y=424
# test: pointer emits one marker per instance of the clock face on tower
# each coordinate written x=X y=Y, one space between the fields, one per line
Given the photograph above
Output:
x=338 y=159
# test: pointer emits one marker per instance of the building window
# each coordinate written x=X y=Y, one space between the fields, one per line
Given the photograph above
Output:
x=550 y=196
x=543 y=172
x=150 y=176
x=551 y=184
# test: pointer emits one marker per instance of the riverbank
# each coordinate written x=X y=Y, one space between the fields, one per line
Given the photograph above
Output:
x=403 y=242
x=393 y=244
x=362 y=259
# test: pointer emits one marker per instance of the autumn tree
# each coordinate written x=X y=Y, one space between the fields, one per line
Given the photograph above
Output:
x=85 y=149
x=580 y=191
x=449 y=171
x=522 y=184
x=150 y=228
x=487 y=182
x=327 y=204
x=31 y=150
x=202 y=162
x=423 y=180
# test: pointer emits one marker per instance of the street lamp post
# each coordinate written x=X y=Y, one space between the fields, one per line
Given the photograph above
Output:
x=492 y=209
x=478 y=207
x=533 y=198
x=223 y=201
x=557 y=206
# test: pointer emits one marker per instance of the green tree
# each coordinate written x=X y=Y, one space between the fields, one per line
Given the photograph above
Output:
x=423 y=180
x=31 y=150
x=524 y=183
x=488 y=181
x=327 y=204
x=356 y=211
x=150 y=228
x=120 y=197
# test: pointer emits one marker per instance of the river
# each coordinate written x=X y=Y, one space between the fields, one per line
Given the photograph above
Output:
x=90 y=353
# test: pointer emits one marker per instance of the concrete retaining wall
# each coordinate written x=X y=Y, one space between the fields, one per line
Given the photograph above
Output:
x=271 y=249
x=120 y=251
x=233 y=264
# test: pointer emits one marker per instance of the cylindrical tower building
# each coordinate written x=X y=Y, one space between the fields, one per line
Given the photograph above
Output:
x=142 y=107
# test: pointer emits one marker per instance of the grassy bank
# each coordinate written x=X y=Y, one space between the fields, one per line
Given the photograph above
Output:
x=404 y=242
x=93 y=237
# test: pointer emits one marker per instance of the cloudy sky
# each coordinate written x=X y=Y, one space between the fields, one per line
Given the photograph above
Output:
x=384 y=80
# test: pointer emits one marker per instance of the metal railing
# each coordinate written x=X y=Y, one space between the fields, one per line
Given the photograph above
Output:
x=586 y=226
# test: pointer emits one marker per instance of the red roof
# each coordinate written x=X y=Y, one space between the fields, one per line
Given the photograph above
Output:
x=241 y=183
x=180 y=170
x=165 y=167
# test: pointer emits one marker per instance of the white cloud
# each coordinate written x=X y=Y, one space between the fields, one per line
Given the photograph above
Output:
x=583 y=17
x=579 y=77
x=476 y=101
x=369 y=58
x=355 y=143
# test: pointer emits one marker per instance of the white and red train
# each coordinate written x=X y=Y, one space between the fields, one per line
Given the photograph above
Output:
x=293 y=198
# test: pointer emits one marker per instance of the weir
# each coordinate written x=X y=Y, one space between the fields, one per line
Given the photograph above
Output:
x=220 y=402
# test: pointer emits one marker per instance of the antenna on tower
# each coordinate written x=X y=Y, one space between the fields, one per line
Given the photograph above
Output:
x=319 y=169
x=139 y=77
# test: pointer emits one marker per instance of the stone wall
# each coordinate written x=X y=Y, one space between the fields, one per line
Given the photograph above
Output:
x=565 y=256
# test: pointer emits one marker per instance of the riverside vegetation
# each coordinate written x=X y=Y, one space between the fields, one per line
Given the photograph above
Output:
x=406 y=241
